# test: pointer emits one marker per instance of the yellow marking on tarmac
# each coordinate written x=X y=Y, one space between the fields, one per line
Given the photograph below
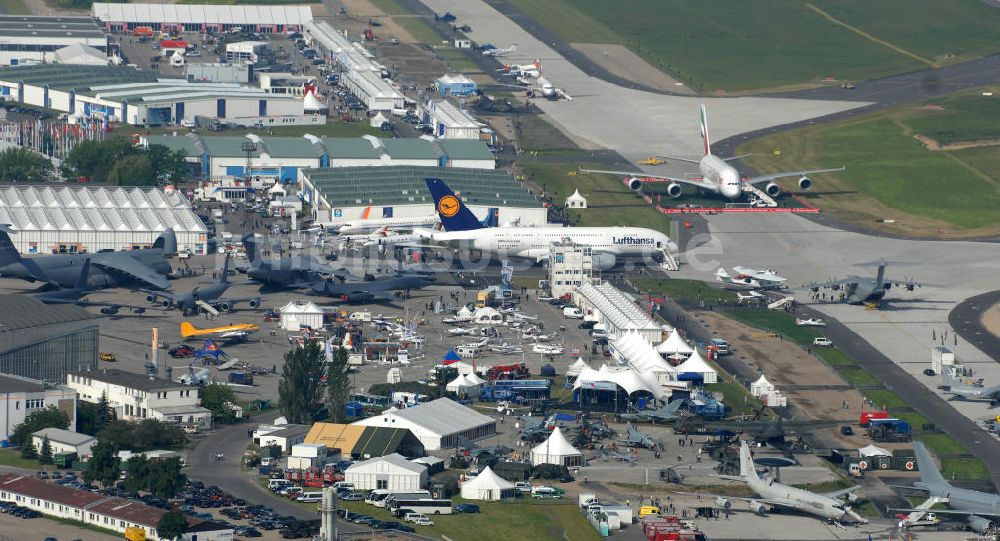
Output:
x=870 y=37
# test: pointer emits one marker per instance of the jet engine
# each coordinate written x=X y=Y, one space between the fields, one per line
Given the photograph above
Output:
x=979 y=524
x=635 y=184
x=772 y=189
x=254 y=302
x=805 y=183
x=110 y=310
x=150 y=298
x=758 y=508
x=166 y=304
x=357 y=297
x=674 y=190
x=724 y=503
x=225 y=307
x=603 y=261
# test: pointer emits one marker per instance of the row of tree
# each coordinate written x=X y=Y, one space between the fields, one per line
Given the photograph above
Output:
x=309 y=382
x=115 y=161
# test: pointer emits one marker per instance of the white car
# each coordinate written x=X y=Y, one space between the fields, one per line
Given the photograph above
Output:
x=811 y=322
x=414 y=517
x=522 y=487
x=424 y=522
x=822 y=341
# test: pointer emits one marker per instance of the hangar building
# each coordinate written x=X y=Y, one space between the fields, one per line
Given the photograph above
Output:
x=25 y=39
x=204 y=18
x=352 y=193
x=133 y=96
x=45 y=341
x=71 y=219
x=439 y=424
x=450 y=122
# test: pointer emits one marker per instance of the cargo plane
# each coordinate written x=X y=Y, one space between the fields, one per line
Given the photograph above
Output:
x=717 y=175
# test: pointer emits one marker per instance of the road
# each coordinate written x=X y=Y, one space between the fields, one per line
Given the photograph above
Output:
x=965 y=319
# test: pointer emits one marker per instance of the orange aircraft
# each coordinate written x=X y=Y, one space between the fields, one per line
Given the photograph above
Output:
x=238 y=331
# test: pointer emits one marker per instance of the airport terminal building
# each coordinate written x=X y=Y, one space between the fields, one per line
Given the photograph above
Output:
x=351 y=193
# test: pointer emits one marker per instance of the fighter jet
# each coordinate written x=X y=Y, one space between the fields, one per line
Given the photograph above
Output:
x=667 y=413
x=952 y=386
x=108 y=269
x=771 y=493
x=981 y=509
x=287 y=272
x=868 y=291
x=638 y=438
x=369 y=291
x=75 y=295
x=212 y=295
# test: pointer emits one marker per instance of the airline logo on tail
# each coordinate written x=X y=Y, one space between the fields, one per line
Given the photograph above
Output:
x=448 y=206
x=455 y=216
x=704 y=130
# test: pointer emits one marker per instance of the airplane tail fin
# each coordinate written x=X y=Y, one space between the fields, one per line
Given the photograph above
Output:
x=81 y=281
x=188 y=329
x=250 y=247
x=929 y=473
x=747 y=470
x=455 y=216
x=224 y=277
x=167 y=242
x=722 y=276
x=8 y=253
x=880 y=276
x=704 y=130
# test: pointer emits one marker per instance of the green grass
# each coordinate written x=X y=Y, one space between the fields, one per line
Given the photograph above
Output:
x=416 y=26
x=964 y=468
x=965 y=117
x=834 y=357
x=916 y=420
x=14 y=7
x=775 y=321
x=857 y=377
x=536 y=134
x=887 y=399
x=689 y=292
x=12 y=458
x=736 y=397
x=730 y=45
x=942 y=444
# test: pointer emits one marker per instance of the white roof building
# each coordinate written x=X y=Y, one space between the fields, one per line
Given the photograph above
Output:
x=487 y=315
x=574 y=369
x=487 y=486
x=873 y=450
x=616 y=310
x=761 y=386
x=81 y=54
x=64 y=441
x=697 y=367
x=449 y=121
x=391 y=472
x=461 y=384
x=54 y=219
x=623 y=377
x=439 y=424
x=296 y=315
x=556 y=449
x=202 y=15
x=576 y=201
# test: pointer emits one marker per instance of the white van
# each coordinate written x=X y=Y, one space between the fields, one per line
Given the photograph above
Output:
x=310 y=497
x=360 y=316
x=572 y=312
x=275 y=484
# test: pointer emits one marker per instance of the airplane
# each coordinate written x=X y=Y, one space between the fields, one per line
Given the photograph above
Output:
x=870 y=291
x=551 y=92
x=108 y=269
x=463 y=331
x=547 y=349
x=774 y=494
x=751 y=278
x=749 y=297
x=236 y=332
x=526 y=70
x=667 y=413
x=950 y=385
x=608 y=244
x=500 y=52
x=638 y=438
x=76 y=294
x=980 y=509
x=507 y=349
x=717 y=175
x=287 y=272
x=622 y=457
x=368 y=225
x=188 y=302
x=369 y=291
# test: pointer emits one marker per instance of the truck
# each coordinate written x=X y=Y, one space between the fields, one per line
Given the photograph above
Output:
x=889 y=430
x=720 y=345
x=867 y=416
x=64 y=460
x=941 y=357
x=241 y=378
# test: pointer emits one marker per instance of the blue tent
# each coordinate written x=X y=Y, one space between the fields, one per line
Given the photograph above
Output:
x=451 y=356
x=548 y=371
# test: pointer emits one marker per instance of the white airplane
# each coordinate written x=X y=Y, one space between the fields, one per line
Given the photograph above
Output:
x=810 y=322
x=749 y=296
x=551 y=92
x=525 y=70
x=771 y=493
x=716 y=174
x=463 y=331
x=507 y=349
x=608 y=244
x=368 y=225
x=751 y=278
x=500 y=52
x=548 y=349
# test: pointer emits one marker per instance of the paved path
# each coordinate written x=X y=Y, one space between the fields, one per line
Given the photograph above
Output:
x=965 y=319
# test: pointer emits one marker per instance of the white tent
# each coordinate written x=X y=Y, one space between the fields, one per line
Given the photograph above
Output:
x=624 y=377
x=295 y=316
x=378 y=120
x=464 y=313
x=574 y=369
x=673 y=345
x=474 y=379
x=761 y=386
x=487 y=315
x=556 y=449
x=487 y=486
x=873 y=450
x=460 y=385
x=576 y=201
x=311 y=103
x=695 y=364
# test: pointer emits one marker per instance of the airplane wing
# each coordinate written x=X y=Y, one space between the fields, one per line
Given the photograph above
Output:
x=831 y=283
x=160 y=293
x=759 y=275
x=126 y=264
x=80 y=302
x=786 y=174
x=689 y=181
x=837 y=494
x=980 y=513
x=232 y=300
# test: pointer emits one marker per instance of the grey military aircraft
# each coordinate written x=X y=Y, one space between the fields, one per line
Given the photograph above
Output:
x=980 y=509
x=636 y=437
x=212 y=295
x=950 y=385
x=862 y=290
x=108 y=269
x=667 y=413
x=75 y=295
x=287 y=272
x=369 y=291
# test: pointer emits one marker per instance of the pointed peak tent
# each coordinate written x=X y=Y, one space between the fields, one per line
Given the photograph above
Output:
x=556 y=449
x=674 y=345
x=451 y=356
x=576 y=201
x=578 y=365
x=695 y=364
x=487 y=486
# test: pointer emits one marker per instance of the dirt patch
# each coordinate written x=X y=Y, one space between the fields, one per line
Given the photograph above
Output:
x=789 y=367
x=359 y=11
x=622 y=62
x=933 y=144
x=991 y=319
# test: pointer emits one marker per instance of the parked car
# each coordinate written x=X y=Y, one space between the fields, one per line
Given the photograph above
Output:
x=466 y=508
x=351 y=496
x=822 y=341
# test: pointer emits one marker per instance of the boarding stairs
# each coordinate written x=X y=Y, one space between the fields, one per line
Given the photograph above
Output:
x=208 y=308
x=758 y=197
x=781 y=303
x=669 y=261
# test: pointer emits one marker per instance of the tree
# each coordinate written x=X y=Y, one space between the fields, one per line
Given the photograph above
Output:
x=92 y=418
x=23 y=165
x=104 y=466
x=300 y=390
x=137 y=473
x=29 y=452
x=142 y=436
x=95 y=159
x=134 y=170
x=219 y=399
x=169 y=165
x=166 y=479
x=45 y=455
x=49 y=417
x=338 y=385
x=172 y=525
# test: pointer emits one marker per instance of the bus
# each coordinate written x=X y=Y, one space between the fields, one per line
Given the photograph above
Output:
x=377 y=495
x=370 y=400
x=412 y=495
x=425 y=506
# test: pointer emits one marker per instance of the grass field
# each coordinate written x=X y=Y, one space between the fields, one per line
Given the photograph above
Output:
x=726 y=44
x=14 y=7
x=857 y=377
x=12 y=458
x=882 y=398
x=736 y=397
x=892 y=175
x=535 y=134
x=687 y=292
x=964 y=468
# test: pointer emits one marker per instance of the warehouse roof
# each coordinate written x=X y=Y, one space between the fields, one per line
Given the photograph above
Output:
x=617 y=308
x=54 y=27
x=24 y=312
x=357 y=440
x=15 y=384
x=69 y=77
x=61 y=435
x=450 y=115
x=228 y=146
x=186 y=143
x=51 y=208
x=410 y=149
x=465 y=149
x=405 y=184
x=289 y=147
x=351 y=148
x=394 y=459
x=202 y=14
x=443 y=416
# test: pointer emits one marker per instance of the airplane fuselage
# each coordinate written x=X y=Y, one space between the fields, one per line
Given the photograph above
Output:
x=355 y=227
x=64 y=269
x=962 y=499
x=799 y=499
x=716 y=171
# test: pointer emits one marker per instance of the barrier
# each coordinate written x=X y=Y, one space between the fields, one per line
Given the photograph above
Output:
x=796 y=210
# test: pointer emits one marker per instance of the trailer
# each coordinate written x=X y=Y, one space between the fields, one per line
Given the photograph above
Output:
x=889 y=430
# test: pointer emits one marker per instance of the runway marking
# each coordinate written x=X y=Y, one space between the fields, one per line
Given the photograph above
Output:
x=870 y=37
